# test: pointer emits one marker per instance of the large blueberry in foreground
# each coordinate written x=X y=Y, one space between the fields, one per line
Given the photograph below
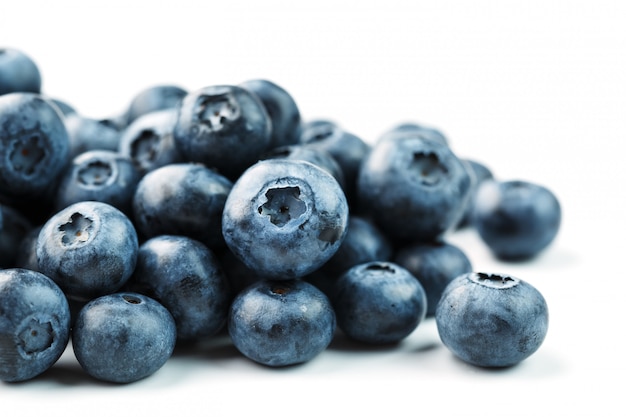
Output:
x=185 y=276
x=491 y=320
x=516 y=219
x=34 y=324
x=223 y=127
x=378 y=302
x=280 y=323
x=414 y=188
x=123 y=337
x=88 y=248
x=285 y=218
x=18 y=72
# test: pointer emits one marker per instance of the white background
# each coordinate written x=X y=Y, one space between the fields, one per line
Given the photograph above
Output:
x=536 y=90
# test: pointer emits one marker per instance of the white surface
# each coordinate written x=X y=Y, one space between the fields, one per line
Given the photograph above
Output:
x=536 y=90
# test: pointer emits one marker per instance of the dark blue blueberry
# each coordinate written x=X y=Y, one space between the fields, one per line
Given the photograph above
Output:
x=184 y=275
x=18 y=72
x=154 y=98
x=479 y=173
x=13 y=229
x=34 y=324
x=491 y=320
x=123 y=337
x=280 y=323
x=26 y=256
x=412 y=129
x=314 y=155
x=149 y=141
x=89 y=249
x=65 y=108
x=238 y=274
x=99 y=175
x=224 y=127
x=435 y=265
x=281 y=108
x=182 y=199
x=348 y=149
x=87 y=134
x=415 y=189
x=378 y=303
x=285 y=218
x=516 y=219
x=34 y=145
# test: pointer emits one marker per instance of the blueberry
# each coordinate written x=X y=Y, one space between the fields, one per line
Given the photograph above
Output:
x=281 y=108
x=154 y=98
x=26 y=256
x=516 y=219
x=224 y=127
x=149 y=141
x=410 y=128
x=88 y=248
x=86 y=134
x=435 y=265
x=18 y=72
x=491 y=320
x=123 y=337
x=65 y=108
x=280 y=323
x=185 y=276
x=479 y=173
x=34 y=324
x=98 y=175
x=34 y=146
x=285 y=218
x=182 y=199
x=378 y=303
x=414 y=188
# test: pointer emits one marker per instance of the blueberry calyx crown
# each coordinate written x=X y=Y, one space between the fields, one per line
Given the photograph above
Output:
x=77 y=230
x=428 y=167
x=131 y=299
x=34 y=336
x=215 y=112
x=95 y=173
x=26 y=154
x=143 y=150
x=380 y=267
x=499 y=281
x=282 y=205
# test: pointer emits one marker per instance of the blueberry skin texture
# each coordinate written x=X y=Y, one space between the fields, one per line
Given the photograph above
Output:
x=479 y=173
x=281 y=108
x=185 y=276
x=378 y=303
x=34 y=146
x=18 y=72
x=123 y=337
x=223 y=127
x=415 y=189
x=182 y=199
x=285 y=218
x=87 y=134
x=516 y=219
x=154 y=98
x=34 y=324
x=99 y=175
x=281 y=323
x=491 y=320
x=89 y=249
x=435 y=265
x=149 y=141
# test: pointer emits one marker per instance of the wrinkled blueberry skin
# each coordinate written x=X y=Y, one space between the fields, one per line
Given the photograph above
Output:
x=98 y=175
x=281 y=108
x=491 y=320
x=185 y=276
x=154 y=98
x=149 y=141
x=13 y=228
x=88 y=248
x=314 y=155
x=479 y=173
x=123 y=337
x=34 y=146
x=87 y=134
x=34 y=324
x=285 y=218
x=516 y=219
x=414 y=188
x=182 y=199
x=348 y=149
x=223 y=127
x=280 y=323
x=410 y=128
x=378 y=303
x=18 y=72
x=435 y=265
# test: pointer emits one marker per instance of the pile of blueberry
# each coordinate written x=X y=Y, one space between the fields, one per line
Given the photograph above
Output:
x=221 y=210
